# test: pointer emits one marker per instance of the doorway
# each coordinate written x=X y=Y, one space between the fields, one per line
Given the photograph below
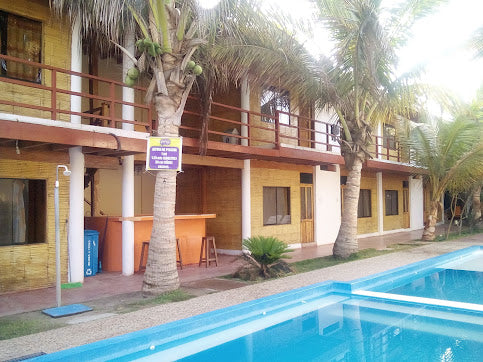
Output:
x=306 y=214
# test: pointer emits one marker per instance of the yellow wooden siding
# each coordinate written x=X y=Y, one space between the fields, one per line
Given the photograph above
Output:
x=32 y=266
x=260 y=177
x=55 y=51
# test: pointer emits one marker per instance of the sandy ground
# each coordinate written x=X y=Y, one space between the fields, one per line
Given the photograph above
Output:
x=113 y=325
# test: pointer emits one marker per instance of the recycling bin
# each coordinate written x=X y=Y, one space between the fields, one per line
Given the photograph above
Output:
x=91 y=252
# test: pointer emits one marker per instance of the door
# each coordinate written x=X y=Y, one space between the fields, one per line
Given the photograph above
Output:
x=305 y=129
x=406 y=208
x=306 y=215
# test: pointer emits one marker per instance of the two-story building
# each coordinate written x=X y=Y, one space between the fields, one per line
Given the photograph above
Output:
x=272 y=168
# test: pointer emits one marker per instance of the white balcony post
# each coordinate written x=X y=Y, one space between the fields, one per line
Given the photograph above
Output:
x=128 y=168
x=416 y=203
x=246 y=201
x=380 y=203
x=380 y=141
x=245 y=104
x=76 y=192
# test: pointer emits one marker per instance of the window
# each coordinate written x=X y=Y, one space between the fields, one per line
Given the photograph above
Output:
x=391 y=203
x=273 y=100
x=389 y=137
x=21 y=38
x=364 y=206
x=276 y=205
x=22 y=211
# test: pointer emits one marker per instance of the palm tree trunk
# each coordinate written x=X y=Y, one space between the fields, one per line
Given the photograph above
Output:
x=476 y=204
x=429 y=229
x=346 y=242
x=161 y=273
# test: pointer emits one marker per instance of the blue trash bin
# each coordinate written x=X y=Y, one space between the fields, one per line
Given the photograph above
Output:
x=91 y=252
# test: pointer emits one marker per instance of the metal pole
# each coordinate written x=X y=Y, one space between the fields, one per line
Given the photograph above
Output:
x=57 y=240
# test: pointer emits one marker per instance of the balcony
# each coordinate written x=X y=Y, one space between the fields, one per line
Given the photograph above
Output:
x=233 y=132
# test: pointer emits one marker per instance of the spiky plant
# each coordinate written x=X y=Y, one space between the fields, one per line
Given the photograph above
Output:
x=266 y=251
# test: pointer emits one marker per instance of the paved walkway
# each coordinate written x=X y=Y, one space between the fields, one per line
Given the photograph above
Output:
x=79 y=334
x=112 y=283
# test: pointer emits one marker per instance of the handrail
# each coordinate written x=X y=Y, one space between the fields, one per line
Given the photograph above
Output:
x=259 y=129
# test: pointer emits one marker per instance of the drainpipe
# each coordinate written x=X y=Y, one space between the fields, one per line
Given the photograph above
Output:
x=246 y=174
x=128 y=167
x=76 y=195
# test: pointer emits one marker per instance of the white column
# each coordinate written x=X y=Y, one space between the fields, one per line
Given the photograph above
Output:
x=128 y=169
x=416 y=203
x=246 y=201
x=379 y=133
x=245 y=104
x=380 y=203
x=76 y=195
x=327 y=205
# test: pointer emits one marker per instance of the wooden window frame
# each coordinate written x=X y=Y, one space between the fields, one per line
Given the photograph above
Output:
x=364 y=194
x=391 y=202
x=4 y=49
x=276 y=219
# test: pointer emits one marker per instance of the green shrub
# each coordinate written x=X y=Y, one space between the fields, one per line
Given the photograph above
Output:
x=265 y=251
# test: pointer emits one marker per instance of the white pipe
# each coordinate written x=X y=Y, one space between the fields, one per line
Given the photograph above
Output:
x=58 y=285
x=128 y=168
x=380 y=204
x=246 y=201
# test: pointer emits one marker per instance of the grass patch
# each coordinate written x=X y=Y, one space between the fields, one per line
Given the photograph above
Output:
x=169 y=297
x=71 y=285
x=15 y=326
x=455 y=233
x=327 y=261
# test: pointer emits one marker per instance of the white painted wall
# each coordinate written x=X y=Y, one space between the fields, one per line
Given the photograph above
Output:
x=416 y=200
x=327 y=205
x=327 y=116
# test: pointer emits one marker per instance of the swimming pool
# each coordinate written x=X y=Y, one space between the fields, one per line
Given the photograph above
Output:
x=331 y=321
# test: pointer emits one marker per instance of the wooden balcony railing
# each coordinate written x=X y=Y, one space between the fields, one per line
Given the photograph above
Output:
x=50 y=99
x=51 y=96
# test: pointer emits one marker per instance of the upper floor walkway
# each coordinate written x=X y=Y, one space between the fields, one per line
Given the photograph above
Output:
x=38 y=115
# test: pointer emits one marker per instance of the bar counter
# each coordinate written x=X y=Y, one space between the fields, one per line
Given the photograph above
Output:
x=189 y=229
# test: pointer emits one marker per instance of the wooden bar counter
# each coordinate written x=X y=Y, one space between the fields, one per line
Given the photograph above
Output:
x=189 y=230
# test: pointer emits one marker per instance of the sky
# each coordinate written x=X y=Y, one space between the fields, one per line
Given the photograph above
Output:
x=438 y=43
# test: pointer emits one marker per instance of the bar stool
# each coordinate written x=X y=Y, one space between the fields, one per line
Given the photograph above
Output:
x=179 y=260
x=208 y=248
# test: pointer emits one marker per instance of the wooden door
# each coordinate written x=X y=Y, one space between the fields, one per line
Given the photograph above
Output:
x=306 y=215
x=406 y=223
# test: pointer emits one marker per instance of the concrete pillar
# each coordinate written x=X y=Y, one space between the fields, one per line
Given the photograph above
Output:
x=416 y=203
x=380 y=203
x=76 y=192
x=379 y=133
x=246 y=201
x=245 y=104
x=76 y=216
x=327 y=205
x=128 y=168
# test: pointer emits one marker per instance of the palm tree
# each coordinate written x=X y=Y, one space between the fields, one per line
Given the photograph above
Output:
x=452 y=153
x=170 y=34
x=360 y=84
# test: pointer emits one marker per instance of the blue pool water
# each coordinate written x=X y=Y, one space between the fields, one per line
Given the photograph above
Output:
x=331 y=321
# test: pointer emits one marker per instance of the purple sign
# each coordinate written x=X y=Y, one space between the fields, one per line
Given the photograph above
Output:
x=163 y=154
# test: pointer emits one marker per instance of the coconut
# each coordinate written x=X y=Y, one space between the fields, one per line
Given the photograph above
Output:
x=197 y=70
x=190 y=65
x=133 y=73
x=129 y=81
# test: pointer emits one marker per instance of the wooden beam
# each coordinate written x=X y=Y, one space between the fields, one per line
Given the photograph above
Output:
x=68 y=136
x=281 y=166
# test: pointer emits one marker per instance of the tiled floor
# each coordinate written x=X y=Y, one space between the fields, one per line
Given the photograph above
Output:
x=112 y=283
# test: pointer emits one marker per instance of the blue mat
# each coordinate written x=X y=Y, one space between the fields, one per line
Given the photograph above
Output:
x=66 y=310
